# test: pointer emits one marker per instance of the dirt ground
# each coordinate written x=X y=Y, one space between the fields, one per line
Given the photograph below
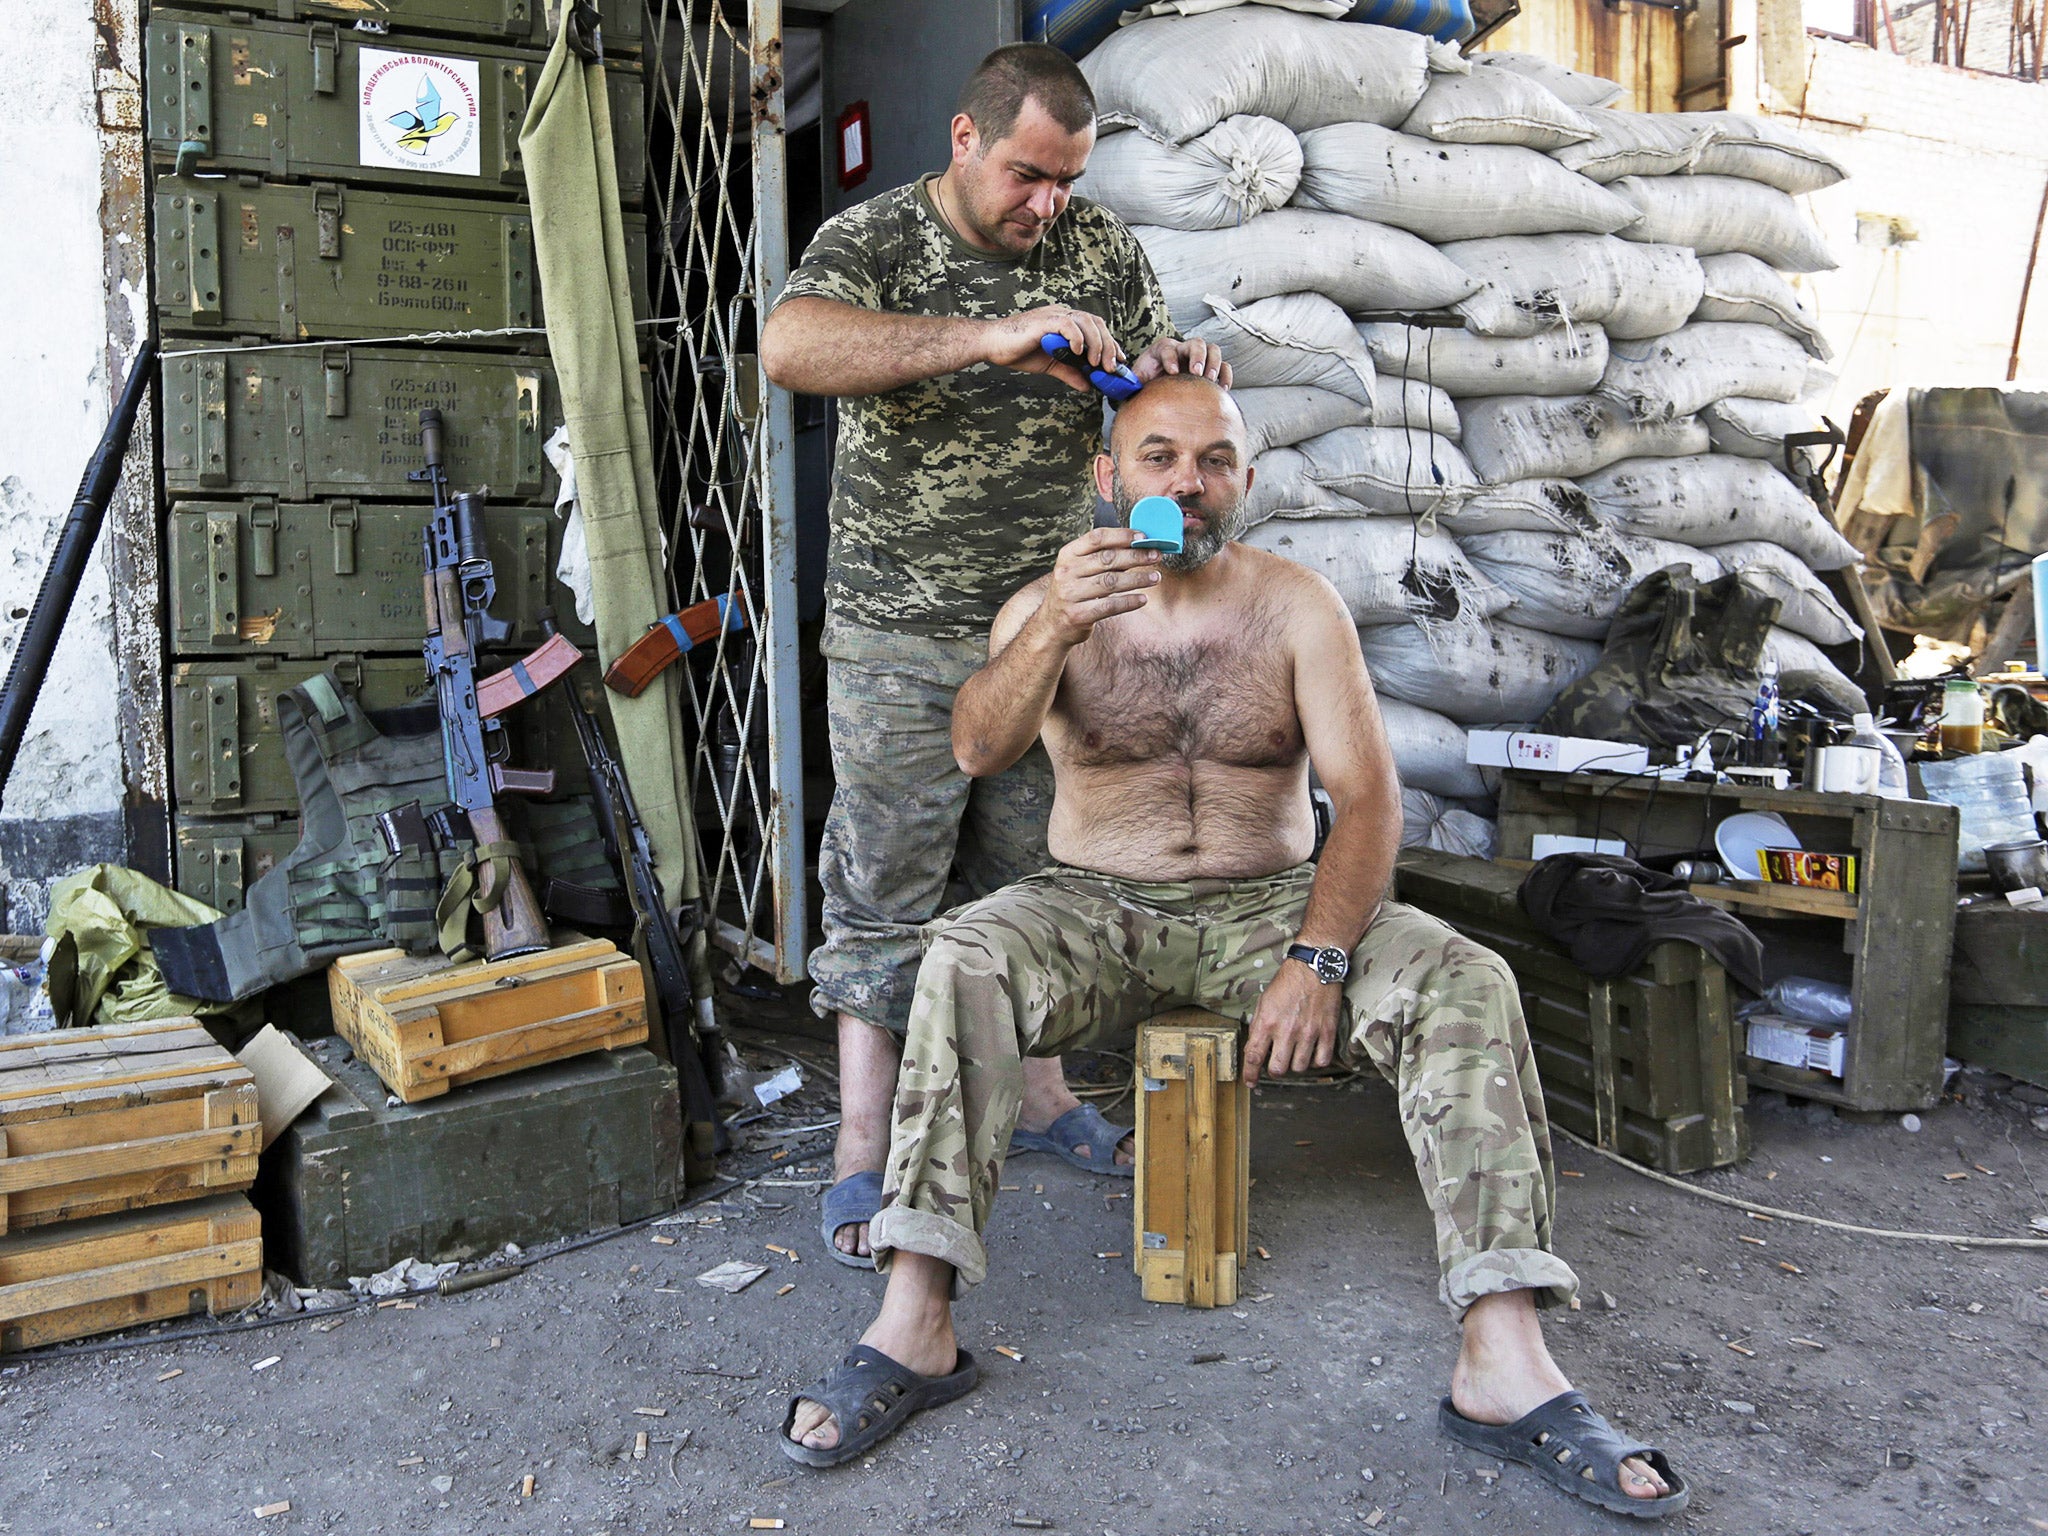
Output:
x=1803 y=1380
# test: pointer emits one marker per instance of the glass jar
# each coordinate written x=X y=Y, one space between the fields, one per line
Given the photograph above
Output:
x=1962 y=716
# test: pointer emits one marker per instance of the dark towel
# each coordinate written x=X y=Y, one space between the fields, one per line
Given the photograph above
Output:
x=1608 y=911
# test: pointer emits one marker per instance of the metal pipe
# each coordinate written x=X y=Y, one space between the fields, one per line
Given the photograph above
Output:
x=54 y=597
x=776 y=445
x=2019 y=321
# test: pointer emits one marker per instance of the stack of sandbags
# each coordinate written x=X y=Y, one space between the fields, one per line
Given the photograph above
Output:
x=1504 y=347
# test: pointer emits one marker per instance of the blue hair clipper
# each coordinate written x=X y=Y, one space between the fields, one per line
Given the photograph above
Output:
x=1119 y=384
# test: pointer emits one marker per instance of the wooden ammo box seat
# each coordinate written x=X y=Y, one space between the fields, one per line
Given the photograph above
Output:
x=94 y=1121
x=1194 y=1159
x=427 y=1025
x=1644 y=1064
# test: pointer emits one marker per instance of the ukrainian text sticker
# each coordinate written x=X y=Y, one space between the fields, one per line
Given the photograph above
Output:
x=418 y=112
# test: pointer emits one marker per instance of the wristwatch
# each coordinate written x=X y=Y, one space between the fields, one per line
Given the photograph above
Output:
x=1330 y=965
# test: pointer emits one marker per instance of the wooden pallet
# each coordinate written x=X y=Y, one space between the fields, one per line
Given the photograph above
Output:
x=109 y=1272
x=94 y=1121
x=1191 y=1205
x=426 y=1025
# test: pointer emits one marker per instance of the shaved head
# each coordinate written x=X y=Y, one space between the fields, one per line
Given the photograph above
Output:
x=1186 y=400
x=1184 y=438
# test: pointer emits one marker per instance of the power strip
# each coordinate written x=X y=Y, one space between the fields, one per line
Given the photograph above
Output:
x=1762 y=778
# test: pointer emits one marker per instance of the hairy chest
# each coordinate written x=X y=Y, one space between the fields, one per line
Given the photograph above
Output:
x=1216 y=699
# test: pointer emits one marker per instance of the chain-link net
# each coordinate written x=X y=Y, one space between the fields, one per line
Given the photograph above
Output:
x=715 y=160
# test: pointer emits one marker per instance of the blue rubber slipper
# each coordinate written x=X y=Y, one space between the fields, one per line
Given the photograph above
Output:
x=854 y=1199
x=1082 y=1126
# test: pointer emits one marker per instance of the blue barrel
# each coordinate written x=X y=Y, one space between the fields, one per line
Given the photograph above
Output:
x=1075 y=26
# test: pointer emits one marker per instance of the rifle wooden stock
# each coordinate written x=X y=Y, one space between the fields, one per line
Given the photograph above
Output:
x=645 y=659
x=524 y=678
x=513 y=924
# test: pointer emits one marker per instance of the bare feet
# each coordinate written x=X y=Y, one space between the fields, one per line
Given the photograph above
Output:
x=1047 y=1097
x=1504 y=1371
x=868 y=1059
x=914 y=1328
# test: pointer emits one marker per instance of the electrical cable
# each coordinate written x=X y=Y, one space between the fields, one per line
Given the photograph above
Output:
x=1777 y=1213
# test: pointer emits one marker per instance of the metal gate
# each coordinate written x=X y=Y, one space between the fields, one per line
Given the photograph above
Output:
x=723 y=451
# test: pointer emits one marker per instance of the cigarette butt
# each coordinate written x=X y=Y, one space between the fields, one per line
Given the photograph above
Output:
x=526 y=1486
x=640 y=1446
x=1038 y=1189
x=1012 y=1188
x=758 y=1524
x=1759 y=1216
x=1790 y=1269
x=1952 y=1177
x=265 y=1511
x=1570 y=1173
x=776 y=1157
x=652 y=1413
x=784 y=1290
x=171 y=1374
x=1754 y=1242
x=778 y=1248
x=1809 y=1343
x=666 y=1242
x=1008 y=1353
x=1743 y=1349
x=1304 y=1143
x=1114 y=1253
x=412 y=1461
x=266 y=1362
x=1771 y=1175
x=1261 y=1252
x=1983 y=1170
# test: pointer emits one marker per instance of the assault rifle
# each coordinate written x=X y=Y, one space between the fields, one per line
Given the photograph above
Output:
x=655 y=932
x=460 y=584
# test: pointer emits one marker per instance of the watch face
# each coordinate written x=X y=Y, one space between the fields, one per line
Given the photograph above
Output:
x=1332 y=965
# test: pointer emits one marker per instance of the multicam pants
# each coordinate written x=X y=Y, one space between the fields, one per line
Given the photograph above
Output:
x=903 y=812
x=1069 y=959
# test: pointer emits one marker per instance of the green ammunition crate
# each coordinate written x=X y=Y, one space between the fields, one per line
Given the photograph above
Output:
x=1646 y=1064
x=527 y=22
x=311 y=101
x=218 y=860
x=291 y=579
x=248 y=258
x=345 y=421
x=577 y=1146
x=227 y=758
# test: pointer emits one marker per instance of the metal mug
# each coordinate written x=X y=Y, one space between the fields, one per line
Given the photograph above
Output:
x=2017 y=865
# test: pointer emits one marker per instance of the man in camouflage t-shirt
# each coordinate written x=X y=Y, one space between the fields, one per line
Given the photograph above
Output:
x=962 y=467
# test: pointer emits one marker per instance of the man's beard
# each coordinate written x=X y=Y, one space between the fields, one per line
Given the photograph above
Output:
x=1218 y=529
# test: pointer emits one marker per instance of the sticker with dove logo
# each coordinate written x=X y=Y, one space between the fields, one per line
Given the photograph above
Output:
x=419 y=112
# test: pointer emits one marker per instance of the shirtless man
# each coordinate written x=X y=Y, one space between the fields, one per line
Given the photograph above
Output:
x=1182 y=699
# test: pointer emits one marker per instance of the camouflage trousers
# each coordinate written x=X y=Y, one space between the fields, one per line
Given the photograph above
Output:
x=903 y=814
x=1068 y=959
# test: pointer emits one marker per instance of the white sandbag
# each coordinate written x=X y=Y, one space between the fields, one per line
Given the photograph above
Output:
x=1385 y=568
x=1795 y=653
x=1563 y=361
x=1448 y=191
x=1810 y=608
x=1177 y=77
x=1526 y=437
x=1335 y=10
x=1364 y=267
x=1281 y=488
x=1756 y=429
x=1739 y=287
x=1292 y=339
x=1524 y=506
x=1412 y=403
x=1242 y=167
x=1629 y=289
x=1475 y=675
x=1637 y=144
x=1395 y=470
x=1716 y=499
x=1709 y=360
x=1495 y=106
x=1283 y=415
x=1764 y=150
x=1570 y=584
x=1430 y=821
x=1429 y=751
x=1567 y=85
x=1712 y=214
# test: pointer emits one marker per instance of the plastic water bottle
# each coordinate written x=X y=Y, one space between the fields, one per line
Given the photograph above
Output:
x=1891 y=768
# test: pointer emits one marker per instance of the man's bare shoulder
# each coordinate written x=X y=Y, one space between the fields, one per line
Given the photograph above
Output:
x=1285 y=585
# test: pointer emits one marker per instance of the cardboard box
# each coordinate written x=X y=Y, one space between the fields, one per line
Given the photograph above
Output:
x=1791 y=1044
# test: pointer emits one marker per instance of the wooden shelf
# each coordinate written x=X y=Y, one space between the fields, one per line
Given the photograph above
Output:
x=1768 y=900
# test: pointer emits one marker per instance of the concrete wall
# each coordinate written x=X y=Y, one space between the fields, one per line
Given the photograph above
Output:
x=64 y=343
x=1934 y=227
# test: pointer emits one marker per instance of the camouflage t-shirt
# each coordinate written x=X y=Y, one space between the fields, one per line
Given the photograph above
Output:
x=951 y=493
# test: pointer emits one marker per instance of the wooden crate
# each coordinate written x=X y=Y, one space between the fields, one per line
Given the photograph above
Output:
x=94 y=1121
x=427 y=1025
x=1647 y=1064
x=1998 y=993
x=1193 y=1175
x=109 y=1272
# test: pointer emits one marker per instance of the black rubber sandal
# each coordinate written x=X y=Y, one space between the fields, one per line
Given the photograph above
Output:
x=1572 y=1446
x=870 y=1397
